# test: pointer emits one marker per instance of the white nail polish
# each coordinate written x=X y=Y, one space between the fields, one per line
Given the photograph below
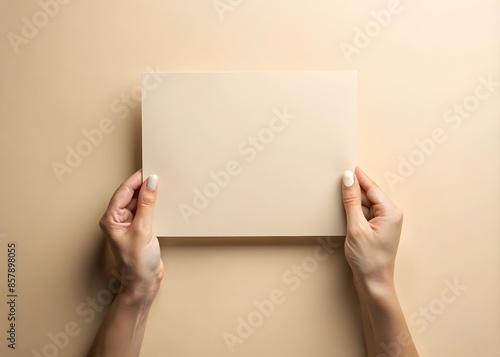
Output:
x=152 y=182
x=348 y=178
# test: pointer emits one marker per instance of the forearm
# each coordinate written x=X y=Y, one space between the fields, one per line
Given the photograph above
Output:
x=122 y=330
x=390 y=333
x=367 y=329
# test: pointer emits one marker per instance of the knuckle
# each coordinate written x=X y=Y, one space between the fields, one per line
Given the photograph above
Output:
x=124 y=187
x=104 y=223
x=351 y=198
x=147 y=200
x=398 y=215
x=108 y=225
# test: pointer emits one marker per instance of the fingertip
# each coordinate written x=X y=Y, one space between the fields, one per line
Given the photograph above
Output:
x=351 y=199
x=351 y=194
x=146 y=202
x=348 y=178
x=360 y=173
x=152 y=183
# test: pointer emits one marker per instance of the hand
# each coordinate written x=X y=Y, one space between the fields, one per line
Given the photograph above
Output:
x=128 y=224
x=373 y=230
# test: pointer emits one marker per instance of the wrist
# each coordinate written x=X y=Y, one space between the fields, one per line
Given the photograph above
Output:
x=140 y=286
x=375 y=290
x=141 y=293
x=137 y=296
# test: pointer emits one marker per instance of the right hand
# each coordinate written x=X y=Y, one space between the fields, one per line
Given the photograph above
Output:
x=373 y=230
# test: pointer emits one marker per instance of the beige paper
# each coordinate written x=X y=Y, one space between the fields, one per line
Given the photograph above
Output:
x=249 y=153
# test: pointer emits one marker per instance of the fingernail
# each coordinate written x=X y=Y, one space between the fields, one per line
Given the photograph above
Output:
x=348 y=178
x=152 y=182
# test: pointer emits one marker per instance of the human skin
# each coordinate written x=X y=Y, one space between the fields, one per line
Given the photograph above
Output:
x=373 y=232
x=127 y=223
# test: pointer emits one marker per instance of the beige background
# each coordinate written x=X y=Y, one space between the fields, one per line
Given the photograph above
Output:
x=67 y=77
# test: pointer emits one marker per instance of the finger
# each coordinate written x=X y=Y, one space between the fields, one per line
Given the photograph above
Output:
x=146 y=200
x=364 y=200
x=373 y=193
x=367 y=213
x=124 y=194
x=351 y=197
x=132 y=206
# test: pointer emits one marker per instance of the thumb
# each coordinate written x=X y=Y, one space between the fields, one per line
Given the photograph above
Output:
x=351 y=197
x=146 y=200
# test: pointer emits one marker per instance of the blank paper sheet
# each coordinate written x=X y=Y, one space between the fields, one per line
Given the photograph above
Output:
x=249 y=153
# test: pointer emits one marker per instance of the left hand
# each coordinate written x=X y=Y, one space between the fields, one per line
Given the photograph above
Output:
x=127 y=223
